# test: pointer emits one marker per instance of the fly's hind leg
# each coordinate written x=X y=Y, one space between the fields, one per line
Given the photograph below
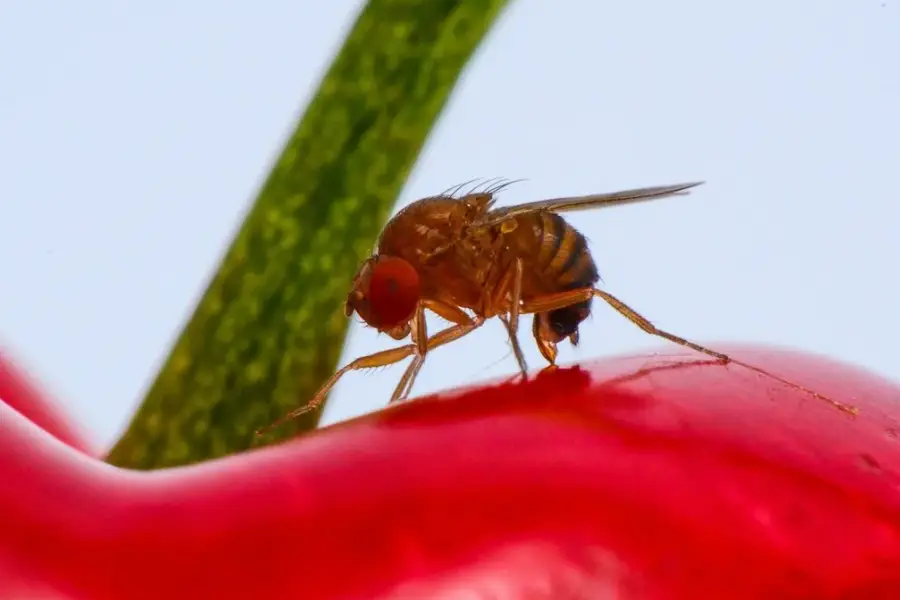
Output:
x=563 y=299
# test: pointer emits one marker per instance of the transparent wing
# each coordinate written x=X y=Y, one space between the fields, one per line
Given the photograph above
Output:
x=498 y=215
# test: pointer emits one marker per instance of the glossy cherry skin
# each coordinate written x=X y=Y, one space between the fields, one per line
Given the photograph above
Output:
x=666 y=477
x=18 y=390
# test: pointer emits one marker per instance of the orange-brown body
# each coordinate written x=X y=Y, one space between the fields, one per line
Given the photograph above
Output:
x=461 y=265
x=449 y=253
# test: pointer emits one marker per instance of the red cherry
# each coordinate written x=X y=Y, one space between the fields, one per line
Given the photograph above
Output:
x=651 y=477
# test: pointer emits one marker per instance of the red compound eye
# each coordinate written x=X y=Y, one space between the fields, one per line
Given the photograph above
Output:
x=393 y=292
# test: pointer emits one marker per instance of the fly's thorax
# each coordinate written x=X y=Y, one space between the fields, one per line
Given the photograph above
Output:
x=435 y=237
x=461 y=274
x=424 y=229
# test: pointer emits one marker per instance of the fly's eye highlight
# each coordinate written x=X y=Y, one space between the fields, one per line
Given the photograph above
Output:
x=393 y=292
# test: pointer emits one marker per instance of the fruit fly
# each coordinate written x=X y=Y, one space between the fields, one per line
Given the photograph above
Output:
x=454 y=254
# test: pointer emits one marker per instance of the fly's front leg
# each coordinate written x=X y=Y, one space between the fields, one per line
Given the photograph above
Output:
x=464 y=325
x=419 y=334
x=379 y=359
x=447 y=311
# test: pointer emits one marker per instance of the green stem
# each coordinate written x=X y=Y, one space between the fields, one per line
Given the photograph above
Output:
x=270 y=328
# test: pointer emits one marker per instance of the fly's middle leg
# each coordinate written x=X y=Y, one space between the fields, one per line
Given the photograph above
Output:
x=510 y=289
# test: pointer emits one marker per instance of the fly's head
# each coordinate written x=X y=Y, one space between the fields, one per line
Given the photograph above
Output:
x=385 y=294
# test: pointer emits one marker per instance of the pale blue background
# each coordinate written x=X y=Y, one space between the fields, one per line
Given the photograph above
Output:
x=133 y=135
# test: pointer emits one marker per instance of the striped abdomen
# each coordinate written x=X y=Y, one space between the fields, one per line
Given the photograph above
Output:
x=556 y=259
